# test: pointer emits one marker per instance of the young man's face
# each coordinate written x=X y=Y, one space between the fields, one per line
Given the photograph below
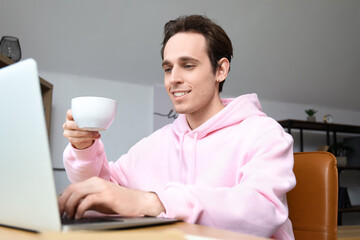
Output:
x=189 y=78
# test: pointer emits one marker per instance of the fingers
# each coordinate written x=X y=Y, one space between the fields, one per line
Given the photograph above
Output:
x=69 y=200
x=86 y=135
x=74 y=194
x=82 y=143
x=107 y=197
x=91 y=194
x=69 y=115
x=70 y=125
x=97 y=201
x=80 y=139
x=72 y=202
x=86 y=204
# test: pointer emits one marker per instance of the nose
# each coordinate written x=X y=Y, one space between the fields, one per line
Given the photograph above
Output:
x=175 y=76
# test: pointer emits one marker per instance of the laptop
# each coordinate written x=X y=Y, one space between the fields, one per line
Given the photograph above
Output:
x=27 y=189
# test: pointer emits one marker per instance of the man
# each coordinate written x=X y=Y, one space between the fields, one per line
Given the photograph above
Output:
x=222 y=163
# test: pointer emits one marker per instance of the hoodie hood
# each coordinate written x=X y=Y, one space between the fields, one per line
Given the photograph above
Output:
x=236 y=110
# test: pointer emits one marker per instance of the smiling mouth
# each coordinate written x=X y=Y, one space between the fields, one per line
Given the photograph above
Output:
x=180 y=94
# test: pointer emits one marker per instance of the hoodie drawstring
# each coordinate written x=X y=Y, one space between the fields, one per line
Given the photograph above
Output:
x=191 y=172
x=181 y=156
x=194 y=160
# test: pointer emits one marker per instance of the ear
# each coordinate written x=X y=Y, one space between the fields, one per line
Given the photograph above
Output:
x=222 y=69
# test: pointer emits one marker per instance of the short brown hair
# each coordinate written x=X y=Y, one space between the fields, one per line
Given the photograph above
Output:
x=217 y=41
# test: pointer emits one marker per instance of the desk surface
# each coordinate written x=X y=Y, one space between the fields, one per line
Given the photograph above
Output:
x=174 y=231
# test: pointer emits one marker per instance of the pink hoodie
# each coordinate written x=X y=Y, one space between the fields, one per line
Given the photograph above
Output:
x=232 y=172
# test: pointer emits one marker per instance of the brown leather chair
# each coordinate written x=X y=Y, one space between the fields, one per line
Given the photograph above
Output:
x=313 y=203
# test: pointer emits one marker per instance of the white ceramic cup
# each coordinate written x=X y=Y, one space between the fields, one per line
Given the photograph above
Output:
x=93 y=113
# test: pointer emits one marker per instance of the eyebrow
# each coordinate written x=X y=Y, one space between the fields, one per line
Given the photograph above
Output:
x=181 y=59
x=165 y=63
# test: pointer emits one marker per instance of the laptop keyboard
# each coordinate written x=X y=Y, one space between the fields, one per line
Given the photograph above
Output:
x=68 y=221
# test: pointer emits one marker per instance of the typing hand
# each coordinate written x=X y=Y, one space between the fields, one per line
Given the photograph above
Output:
x=107 y=197
x=79 y=139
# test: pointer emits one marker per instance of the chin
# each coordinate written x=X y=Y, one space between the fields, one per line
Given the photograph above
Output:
x=180 y=110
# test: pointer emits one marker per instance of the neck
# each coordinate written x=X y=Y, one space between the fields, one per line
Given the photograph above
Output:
x=196 y=119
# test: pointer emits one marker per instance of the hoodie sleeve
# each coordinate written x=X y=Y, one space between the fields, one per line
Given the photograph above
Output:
x=256 y=204
x=83 y=164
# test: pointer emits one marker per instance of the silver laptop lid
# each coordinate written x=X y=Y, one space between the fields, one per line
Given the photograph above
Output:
x=27 y=190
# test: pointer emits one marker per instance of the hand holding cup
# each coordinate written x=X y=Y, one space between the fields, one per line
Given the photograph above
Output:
x=88 y=116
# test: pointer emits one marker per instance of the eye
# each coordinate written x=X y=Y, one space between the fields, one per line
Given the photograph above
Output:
x=167 y=69
x=189 y=66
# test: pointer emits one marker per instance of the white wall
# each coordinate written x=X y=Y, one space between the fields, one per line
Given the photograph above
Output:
x=298 y=51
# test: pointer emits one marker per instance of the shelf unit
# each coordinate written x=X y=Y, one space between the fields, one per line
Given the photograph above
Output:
x=353 y=208
x=290 y=124
x=46 y=91
x=318 y=126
